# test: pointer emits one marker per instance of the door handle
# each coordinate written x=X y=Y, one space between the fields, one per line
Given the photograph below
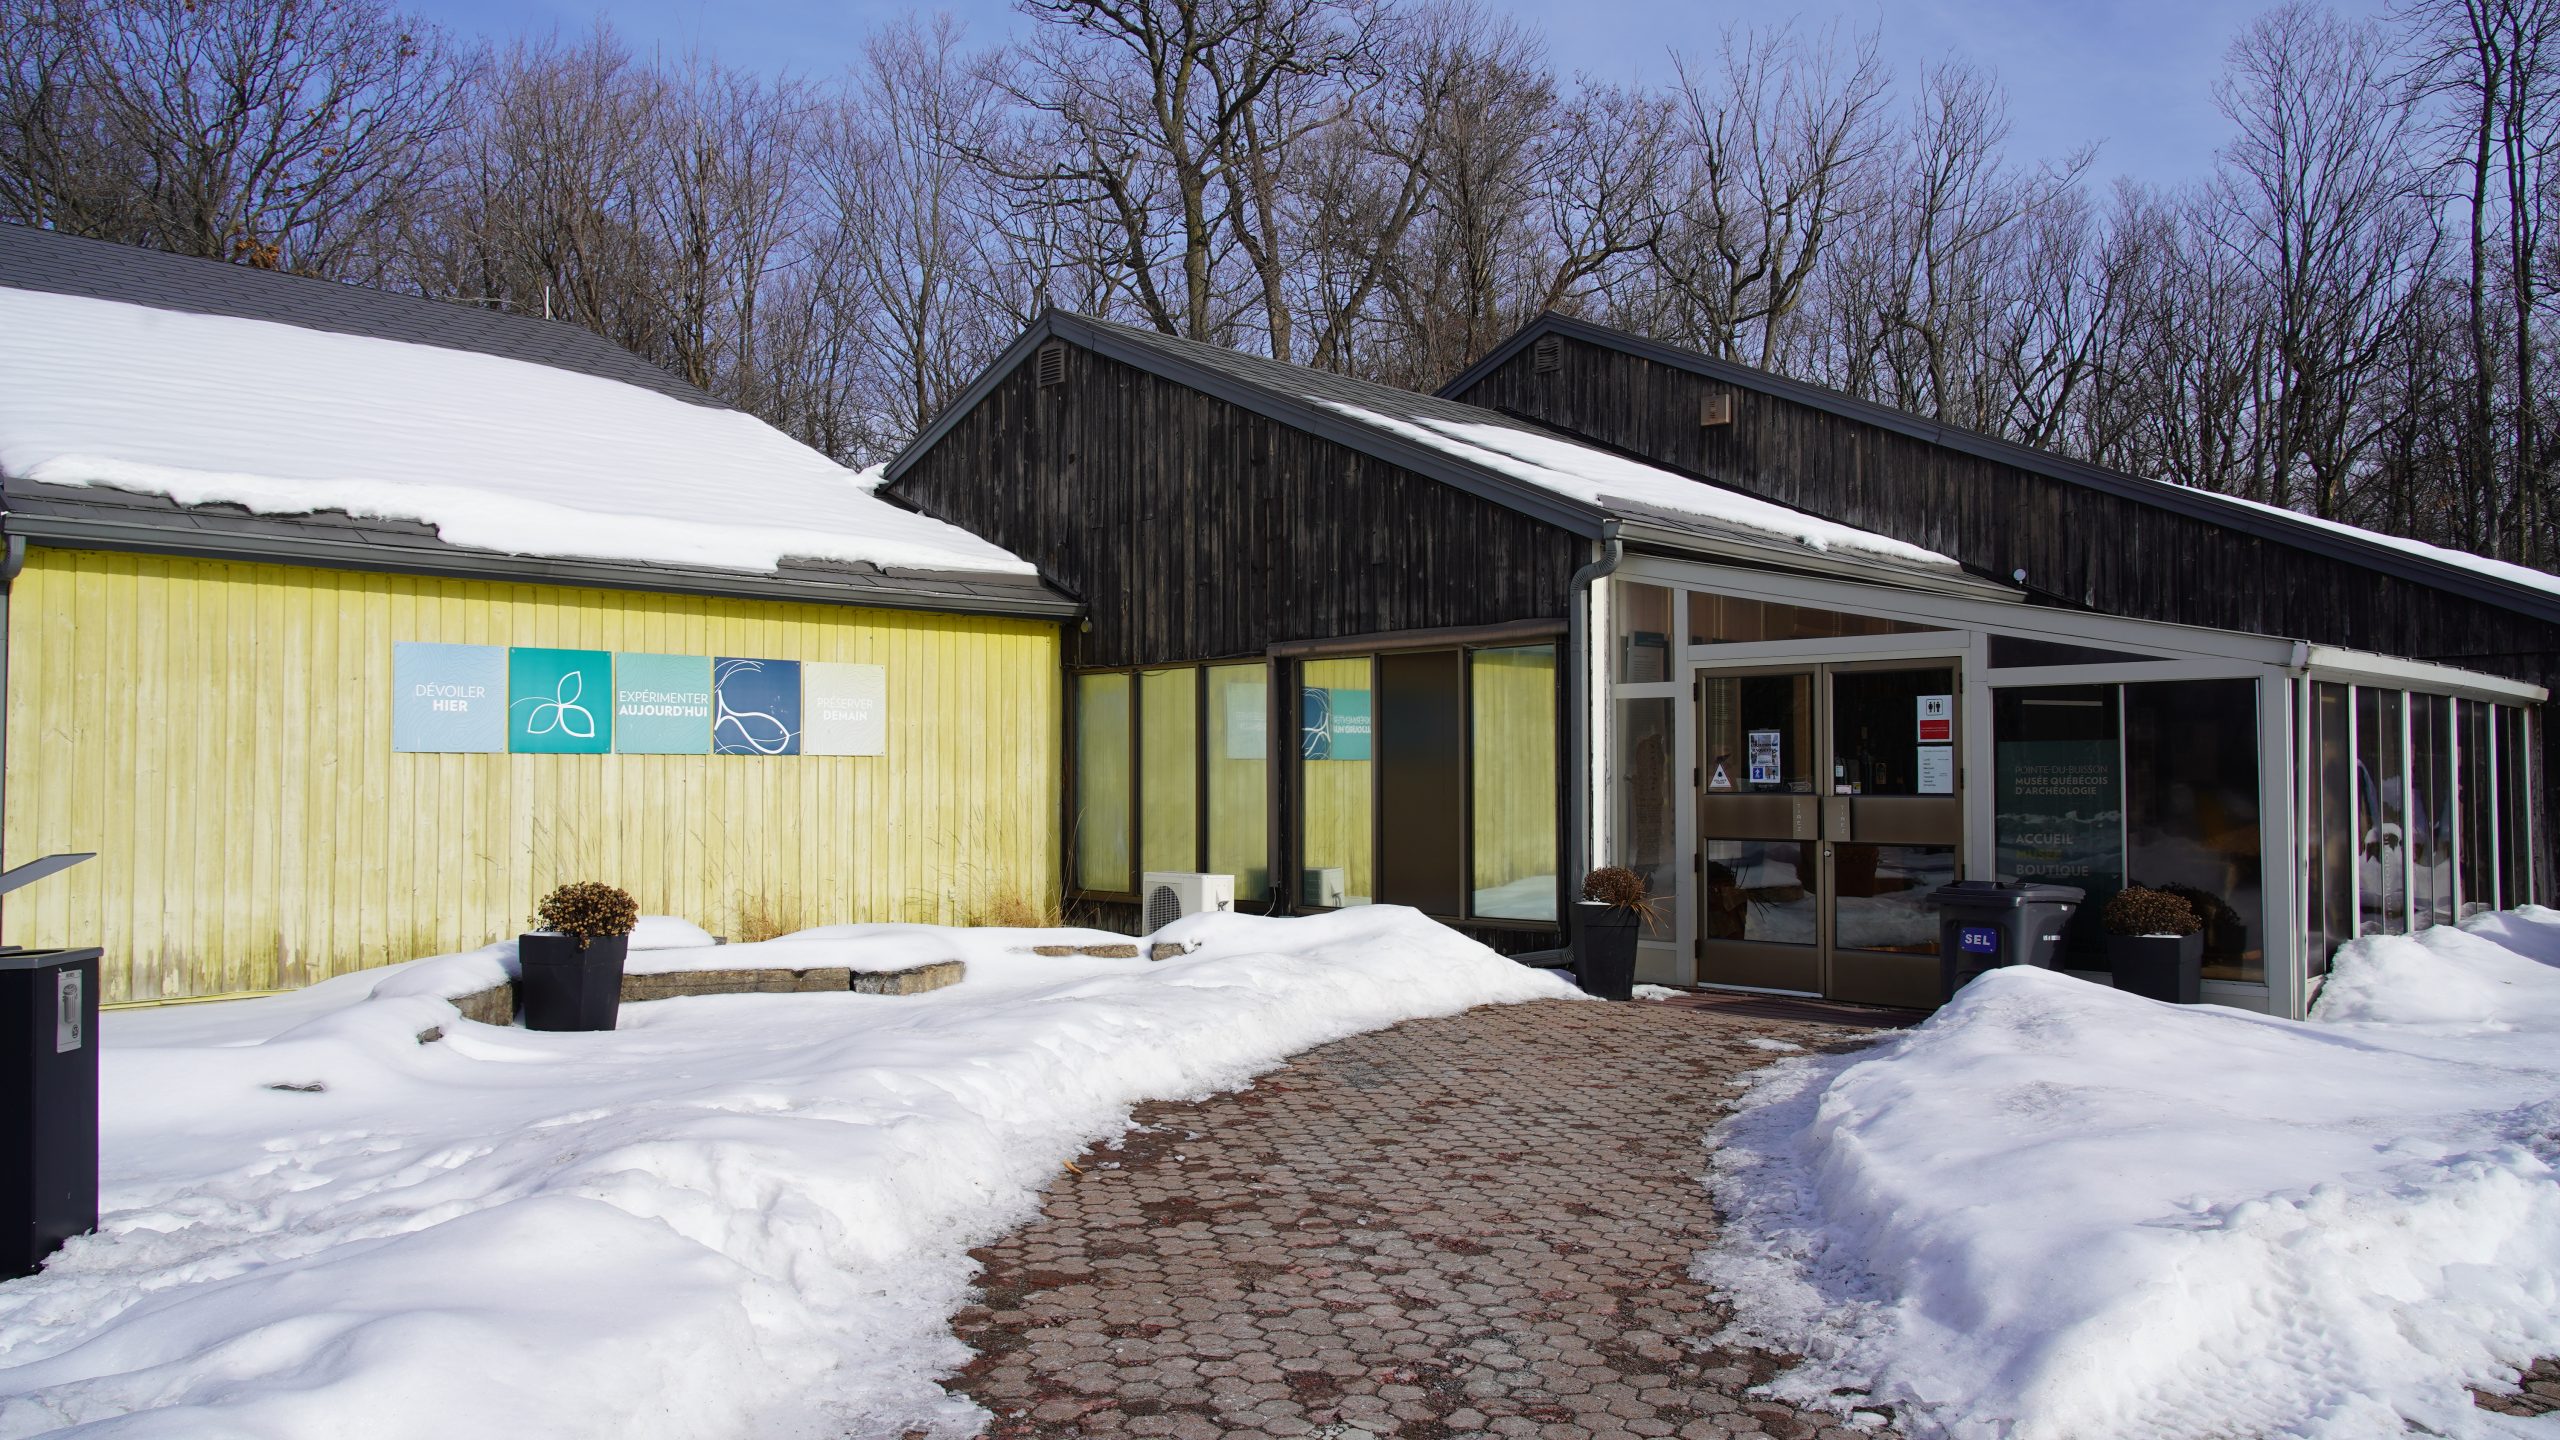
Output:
x=1835 y=819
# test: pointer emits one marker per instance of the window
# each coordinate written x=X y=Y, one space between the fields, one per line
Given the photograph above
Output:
x=1428 y=777
x=2431 y=821
x=2191 y=811
x=1644 y=805
x=1644 y=632
x=2152 y=784
x=1150 y=795
x=1169 y=770
x=1513 y=789
x=1737 y=620
x=2515 y=809
x=2475 y=849
x=1101 y=821
x=2382 y=870
x=2333 y=875
x=1239 y=702
x=2058 y=800
x=1334 y=782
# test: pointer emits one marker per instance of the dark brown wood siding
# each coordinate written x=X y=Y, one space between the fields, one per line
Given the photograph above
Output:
x=2078 y=546
x=1197 y=530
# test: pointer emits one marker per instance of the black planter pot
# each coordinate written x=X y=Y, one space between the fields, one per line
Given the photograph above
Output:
x=566 y=988
x=1604 y=949
x=2158 y=967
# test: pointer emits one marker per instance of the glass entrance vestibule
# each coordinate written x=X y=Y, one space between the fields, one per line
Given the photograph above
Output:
x=1798 y=761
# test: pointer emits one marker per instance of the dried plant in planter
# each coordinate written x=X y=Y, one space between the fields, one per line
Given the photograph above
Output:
x=588 y=909
x=1624 y=889
x=2136 y=910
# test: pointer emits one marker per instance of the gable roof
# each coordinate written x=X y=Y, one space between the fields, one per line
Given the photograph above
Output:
x=199 y=429
x=1578 y=487
x=2495 y=582
x=32 y=259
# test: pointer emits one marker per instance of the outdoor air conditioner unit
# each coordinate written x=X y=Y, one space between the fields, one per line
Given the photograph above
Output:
x=1173 y=894
x=1322 y=886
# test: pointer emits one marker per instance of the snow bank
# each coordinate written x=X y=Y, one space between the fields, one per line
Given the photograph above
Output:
x=497 y=454
x=741 y=1215
x=1597 y=477
x=2055 y=1210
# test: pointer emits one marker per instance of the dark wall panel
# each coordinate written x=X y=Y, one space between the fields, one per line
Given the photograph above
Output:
x=1194 y=529
x=1418 y=714
x=2079 y=547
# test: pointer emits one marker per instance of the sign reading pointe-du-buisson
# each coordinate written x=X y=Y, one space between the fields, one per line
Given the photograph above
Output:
x=529 y=700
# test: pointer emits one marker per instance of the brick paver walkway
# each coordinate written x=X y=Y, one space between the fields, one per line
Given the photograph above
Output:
x=1476 y=1224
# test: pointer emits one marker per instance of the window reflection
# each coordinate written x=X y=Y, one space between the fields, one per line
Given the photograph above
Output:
x=2382 y=844
x=1645 y=819
x=1737 y=620
x=2191 y=811
x=1882 y=896
x=1760 y=890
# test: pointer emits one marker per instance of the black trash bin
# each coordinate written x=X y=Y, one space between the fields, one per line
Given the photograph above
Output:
x=48 y=1104
x=1983 y=925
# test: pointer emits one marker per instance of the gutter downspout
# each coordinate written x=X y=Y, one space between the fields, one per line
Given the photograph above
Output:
x=12 y=561
x=1577 y=849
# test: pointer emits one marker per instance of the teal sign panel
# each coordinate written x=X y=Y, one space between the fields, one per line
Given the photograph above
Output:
x=1334 y=724
x=448 y=699
x=755 y=707
x=559 y=702
x=661 y=704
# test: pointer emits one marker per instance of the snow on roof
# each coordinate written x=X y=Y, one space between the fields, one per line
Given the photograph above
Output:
x=497 y=454
x=2511 y=573
x=1597 y=477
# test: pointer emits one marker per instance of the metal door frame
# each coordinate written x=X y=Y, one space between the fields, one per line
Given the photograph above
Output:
x=1850 y=654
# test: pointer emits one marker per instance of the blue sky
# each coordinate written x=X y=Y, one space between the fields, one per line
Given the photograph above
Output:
x=2136 y=76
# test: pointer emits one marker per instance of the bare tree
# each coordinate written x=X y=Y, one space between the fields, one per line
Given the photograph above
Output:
x=277 y=132
x=1772 y=145
x=2328 y=204
x=2495 y=67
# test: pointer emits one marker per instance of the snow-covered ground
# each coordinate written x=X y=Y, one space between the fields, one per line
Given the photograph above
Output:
x=2059 y=1211
x=741 y=1215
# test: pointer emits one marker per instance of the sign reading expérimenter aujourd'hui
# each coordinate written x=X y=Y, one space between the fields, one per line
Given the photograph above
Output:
x=529 y=700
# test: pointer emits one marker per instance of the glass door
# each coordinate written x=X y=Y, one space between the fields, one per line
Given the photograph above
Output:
x=1891 y=828
x=1759 y=829
x=1829 y=808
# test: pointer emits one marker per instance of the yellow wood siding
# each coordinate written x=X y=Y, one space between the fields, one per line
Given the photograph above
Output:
x=221 y=735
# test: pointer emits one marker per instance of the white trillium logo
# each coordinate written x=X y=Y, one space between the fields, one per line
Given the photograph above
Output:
x=562 y=712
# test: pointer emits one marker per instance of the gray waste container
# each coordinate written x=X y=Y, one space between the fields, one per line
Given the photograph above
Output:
x=1983 y=925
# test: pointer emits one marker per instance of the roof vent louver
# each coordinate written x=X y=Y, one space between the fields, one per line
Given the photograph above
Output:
x=1049 y=366
x=1546 y=355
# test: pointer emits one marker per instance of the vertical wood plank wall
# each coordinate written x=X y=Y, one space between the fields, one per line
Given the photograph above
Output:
x=220 y=734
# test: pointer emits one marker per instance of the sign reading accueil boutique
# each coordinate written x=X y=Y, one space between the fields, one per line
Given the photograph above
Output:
x=450 y=698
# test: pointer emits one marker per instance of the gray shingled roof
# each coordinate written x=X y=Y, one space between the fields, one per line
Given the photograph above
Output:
x=60 y=264
x=104 y=518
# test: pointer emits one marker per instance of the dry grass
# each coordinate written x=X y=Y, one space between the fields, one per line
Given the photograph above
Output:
x=1013 y=912
x=759 y=918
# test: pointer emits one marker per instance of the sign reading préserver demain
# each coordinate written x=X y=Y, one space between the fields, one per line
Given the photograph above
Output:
x=525 y=700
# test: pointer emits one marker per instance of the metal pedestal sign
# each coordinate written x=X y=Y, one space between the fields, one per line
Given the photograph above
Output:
x=48 y=1092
